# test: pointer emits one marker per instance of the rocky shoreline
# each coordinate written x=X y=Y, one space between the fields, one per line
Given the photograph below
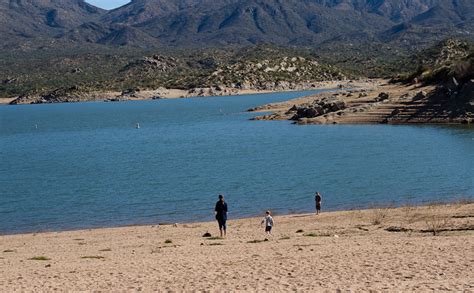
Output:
x=75 y=95
x=383 y=102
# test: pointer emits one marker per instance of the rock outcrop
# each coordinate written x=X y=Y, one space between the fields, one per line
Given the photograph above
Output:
x=280 y=73
x=318 y=108
x=57 y=96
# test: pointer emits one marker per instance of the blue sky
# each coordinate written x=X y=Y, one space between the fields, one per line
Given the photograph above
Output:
x=108 y=4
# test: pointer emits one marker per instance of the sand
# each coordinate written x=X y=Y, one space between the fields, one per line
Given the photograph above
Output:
x=5 y=101
x=347 y=251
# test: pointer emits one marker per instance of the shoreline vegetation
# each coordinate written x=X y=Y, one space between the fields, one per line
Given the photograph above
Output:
x=420 y=247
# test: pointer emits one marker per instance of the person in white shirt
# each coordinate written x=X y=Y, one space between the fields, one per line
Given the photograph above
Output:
x=268 y=220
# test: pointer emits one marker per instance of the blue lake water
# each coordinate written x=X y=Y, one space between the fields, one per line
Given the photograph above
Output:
x=85 y=165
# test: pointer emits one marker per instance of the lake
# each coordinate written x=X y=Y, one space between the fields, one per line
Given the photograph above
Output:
x=85 y=165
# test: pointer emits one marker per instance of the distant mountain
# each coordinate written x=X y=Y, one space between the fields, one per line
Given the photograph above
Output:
x=283 y=22
x=31 y=19
x=210 y=23
x=443 y=19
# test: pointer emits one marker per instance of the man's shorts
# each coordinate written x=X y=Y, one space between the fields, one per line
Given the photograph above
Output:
x=222 y=224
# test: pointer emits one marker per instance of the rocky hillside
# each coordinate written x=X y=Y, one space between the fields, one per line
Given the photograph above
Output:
x=440 y=91
x=274 y=73
x=451 y=58
x=254 y=68
x=198 y=23
x=450 y=67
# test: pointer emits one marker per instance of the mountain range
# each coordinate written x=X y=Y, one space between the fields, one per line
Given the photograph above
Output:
x=207 y=23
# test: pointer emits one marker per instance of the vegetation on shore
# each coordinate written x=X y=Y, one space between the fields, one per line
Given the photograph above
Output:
x=69 y=74
x=438 y=89
x=449 y=66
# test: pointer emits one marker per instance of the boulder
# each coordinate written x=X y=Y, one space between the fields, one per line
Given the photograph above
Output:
x=337 y=106
x=316 y=109
x=382 y=97
x=419 y=96
x=311 y=113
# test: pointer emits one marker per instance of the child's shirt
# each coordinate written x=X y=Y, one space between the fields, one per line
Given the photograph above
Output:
x=268 y=220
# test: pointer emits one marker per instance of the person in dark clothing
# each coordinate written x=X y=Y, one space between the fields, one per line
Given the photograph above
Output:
x=221 y=215
x=318 y=198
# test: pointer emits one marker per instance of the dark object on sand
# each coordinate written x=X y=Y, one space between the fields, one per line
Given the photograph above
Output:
x=207 y=234
x=397 y=229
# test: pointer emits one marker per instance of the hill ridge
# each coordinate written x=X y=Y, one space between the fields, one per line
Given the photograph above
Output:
x=197 y=23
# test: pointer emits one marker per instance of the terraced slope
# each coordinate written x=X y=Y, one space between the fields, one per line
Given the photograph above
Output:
x=378 y=102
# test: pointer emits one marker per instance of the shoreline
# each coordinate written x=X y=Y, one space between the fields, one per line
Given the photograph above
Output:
x=408 y=248
x=381 y=103
x=164 y=93
x=237 y=218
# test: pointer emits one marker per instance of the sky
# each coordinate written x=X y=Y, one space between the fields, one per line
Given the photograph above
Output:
x=108 y=4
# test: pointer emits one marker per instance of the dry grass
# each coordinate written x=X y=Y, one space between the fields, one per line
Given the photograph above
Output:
x=40 y=258
x=436 y=225
x=465 y=200
x=378 y=215
x=410 y=215
x=93 y=257
x=435 y=221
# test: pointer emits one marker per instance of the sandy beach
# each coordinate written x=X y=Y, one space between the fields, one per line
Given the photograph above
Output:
x=406 y=249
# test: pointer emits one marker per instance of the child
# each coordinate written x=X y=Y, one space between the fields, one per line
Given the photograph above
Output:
x=268 y=220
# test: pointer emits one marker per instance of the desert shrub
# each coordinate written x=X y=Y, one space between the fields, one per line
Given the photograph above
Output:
x=410 y=215
x=436 y=224
x=435 y=221
x=378 y=215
